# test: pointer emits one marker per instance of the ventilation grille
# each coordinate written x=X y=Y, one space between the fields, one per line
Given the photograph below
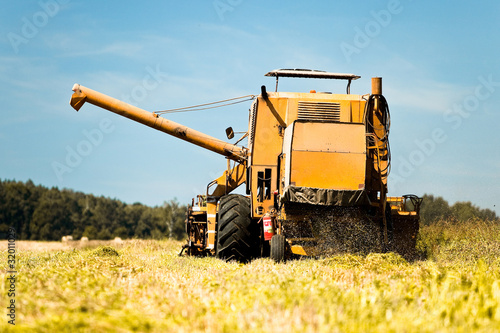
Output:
x=319 y=111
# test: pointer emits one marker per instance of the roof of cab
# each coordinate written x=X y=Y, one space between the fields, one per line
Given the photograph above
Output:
x=311 y=73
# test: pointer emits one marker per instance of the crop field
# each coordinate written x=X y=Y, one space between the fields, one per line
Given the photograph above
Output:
x=145 y=286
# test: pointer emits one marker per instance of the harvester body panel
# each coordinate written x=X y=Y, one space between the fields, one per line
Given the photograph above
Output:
x=326 y=155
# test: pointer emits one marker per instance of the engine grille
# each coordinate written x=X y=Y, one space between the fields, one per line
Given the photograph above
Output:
x=319 y=111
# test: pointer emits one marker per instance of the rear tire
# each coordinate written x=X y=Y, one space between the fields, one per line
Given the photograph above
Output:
x=238 y=235
x=278 y=248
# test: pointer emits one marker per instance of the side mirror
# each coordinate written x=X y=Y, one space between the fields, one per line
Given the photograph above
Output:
x=229 y=133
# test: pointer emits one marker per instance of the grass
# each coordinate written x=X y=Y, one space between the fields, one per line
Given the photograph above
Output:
x=145 y=286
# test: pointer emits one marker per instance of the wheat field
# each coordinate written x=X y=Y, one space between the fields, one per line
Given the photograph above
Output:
x=144 y=286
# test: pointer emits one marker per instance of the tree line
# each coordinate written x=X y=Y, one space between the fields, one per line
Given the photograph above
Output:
x=41 y=213
x=434 y=209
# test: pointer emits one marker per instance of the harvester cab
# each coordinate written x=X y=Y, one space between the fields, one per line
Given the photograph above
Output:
x=315 y=174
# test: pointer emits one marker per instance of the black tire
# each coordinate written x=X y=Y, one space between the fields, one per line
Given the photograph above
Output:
x=278 y=243
x=238 y=235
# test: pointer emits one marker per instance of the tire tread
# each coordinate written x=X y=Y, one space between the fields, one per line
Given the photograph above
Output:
x=238 y=234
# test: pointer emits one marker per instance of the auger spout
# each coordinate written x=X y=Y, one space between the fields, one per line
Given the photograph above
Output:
x=83 y=94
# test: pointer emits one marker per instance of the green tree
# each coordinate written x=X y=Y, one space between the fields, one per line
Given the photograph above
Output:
x=175 y=216
x=39 y=213
x=464 y=211
x=121 y=232
x=52 y=216
x=17 y=204
x=90 y=232
x=132 y=215
x=434 y=209
x=146 y=224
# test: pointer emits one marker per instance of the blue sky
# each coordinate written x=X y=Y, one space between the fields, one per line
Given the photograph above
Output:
x=438 y=60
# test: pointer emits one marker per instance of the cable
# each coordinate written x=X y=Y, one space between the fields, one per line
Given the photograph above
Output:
x=381 y=142
x=240 y=139
x=206 y=106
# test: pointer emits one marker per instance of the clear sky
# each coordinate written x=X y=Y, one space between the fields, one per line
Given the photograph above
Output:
x=438 y=59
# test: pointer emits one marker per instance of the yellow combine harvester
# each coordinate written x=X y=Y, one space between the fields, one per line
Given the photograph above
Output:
x=315 y=174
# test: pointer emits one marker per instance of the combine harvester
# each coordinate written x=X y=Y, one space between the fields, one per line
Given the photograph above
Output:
x=315 y=174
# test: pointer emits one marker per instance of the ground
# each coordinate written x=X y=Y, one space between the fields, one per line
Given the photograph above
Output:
x=144 y=286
